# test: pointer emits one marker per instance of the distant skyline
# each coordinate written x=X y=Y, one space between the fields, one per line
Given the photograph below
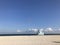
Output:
x=25 y=14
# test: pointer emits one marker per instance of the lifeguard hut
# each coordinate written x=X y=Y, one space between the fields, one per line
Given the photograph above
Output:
x=41 y=32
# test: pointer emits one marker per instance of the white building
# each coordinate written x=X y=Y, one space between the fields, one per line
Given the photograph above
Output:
x=41 y=32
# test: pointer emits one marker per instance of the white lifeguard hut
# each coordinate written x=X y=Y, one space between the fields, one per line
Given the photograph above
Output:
x=41 y=32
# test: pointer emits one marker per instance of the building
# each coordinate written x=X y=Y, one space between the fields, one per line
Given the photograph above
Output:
x=41 y=32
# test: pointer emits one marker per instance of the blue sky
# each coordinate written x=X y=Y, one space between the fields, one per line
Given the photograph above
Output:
x=24 y=14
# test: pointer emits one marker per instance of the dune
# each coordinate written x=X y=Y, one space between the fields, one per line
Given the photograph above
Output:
x=30 y=40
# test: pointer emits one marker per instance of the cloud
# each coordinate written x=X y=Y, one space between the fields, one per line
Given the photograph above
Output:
x=35 y=30
x=49 y=29
x=59 y=29
x=41 y=29
x=18 y=30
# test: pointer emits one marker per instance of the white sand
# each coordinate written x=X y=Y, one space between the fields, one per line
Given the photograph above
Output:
x=30 y=40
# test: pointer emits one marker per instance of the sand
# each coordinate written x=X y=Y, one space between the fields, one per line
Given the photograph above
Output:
x=30 y=40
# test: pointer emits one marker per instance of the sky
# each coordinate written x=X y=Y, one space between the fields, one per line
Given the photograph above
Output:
x=25 y=14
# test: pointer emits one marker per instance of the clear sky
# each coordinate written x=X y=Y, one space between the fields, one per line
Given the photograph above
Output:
x=24 y=14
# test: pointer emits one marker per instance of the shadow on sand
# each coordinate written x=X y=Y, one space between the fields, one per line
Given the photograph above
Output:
x=56 y=41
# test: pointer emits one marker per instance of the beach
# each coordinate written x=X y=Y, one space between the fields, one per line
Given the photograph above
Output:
x=30 y=40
